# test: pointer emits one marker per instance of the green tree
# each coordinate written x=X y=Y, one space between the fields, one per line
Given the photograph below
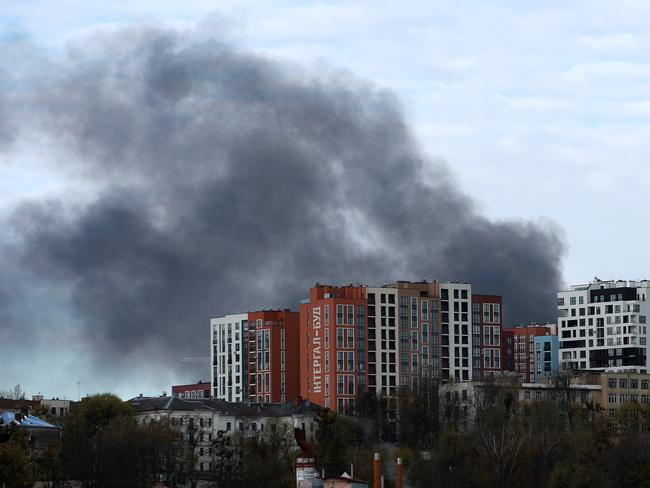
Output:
x=15 y=469
x=335 y=435
x=103 y=447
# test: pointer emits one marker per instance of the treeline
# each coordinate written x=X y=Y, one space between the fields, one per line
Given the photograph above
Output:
x=486 y=439
x=492 y=440
x=100 y=445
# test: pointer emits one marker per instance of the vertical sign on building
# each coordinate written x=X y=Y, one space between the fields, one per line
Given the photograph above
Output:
x=316 y=351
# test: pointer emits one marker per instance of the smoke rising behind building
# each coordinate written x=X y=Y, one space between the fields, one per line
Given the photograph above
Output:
x=215 y=181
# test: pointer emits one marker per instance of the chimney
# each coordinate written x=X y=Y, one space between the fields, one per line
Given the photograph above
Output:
x=400 y=473
x=376 y=471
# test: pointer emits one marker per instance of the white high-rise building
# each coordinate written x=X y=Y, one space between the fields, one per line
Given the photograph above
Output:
x=382 y=340
x=229 y=358
x=455 y=330
x=602 y=325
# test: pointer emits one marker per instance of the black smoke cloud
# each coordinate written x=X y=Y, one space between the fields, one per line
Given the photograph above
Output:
x=224 y=181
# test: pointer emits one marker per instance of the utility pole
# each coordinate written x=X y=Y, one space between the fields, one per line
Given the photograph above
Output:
x=78 y=394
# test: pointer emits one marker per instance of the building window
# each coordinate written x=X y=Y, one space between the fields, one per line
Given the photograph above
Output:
x=339 y=337
x=350 y=361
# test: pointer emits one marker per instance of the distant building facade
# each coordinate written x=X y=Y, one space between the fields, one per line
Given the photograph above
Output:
x=523 y=342
x=333 y=347
x=545 y=358
x=507 y=350
x=487 y=322
x=201 y=389
x=420 y=337
x=273 y=355
x=229 y=357
x=359 y=339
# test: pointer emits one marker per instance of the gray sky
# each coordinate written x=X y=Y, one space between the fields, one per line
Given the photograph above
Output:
x=540 y=111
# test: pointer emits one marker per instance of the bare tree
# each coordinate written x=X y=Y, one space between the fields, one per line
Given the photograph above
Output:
x=563 y=383
x=16 y=393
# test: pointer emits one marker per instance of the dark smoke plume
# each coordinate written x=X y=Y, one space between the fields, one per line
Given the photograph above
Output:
x=224 y=181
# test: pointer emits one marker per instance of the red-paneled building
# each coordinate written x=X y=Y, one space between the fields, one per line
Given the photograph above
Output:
x=194 y=390
x=333 y=346
x=487 y=313
x=273 y=356
x=523 y=347
x=507 y=350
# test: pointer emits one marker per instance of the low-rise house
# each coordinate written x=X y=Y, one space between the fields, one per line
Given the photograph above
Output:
x=39 y=434
x=22 y=405
x=203 y=421
x=55 y=407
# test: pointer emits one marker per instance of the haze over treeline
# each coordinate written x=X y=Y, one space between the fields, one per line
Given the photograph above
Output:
x=204 y=180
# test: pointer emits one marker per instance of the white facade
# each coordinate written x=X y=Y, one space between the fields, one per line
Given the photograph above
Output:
x=228 y=335
x=602 y=325
x=55 y=406
x=382 y=340
x=202 y=421
x=455 y=331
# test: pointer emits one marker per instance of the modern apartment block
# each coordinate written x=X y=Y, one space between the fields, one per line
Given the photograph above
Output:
x=602 y=324
x=455 y=334
x=357 y=339
x=524 y=347
x=486 y=335
x=228 y=357
x=419 y=333
x=273 y=355
x=382 y=335
x=333 y=346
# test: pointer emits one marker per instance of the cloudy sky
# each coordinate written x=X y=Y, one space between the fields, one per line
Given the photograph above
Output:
x=540 y=110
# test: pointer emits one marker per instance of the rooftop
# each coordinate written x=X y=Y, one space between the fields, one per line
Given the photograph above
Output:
x=236 y=409
x=29 y=421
